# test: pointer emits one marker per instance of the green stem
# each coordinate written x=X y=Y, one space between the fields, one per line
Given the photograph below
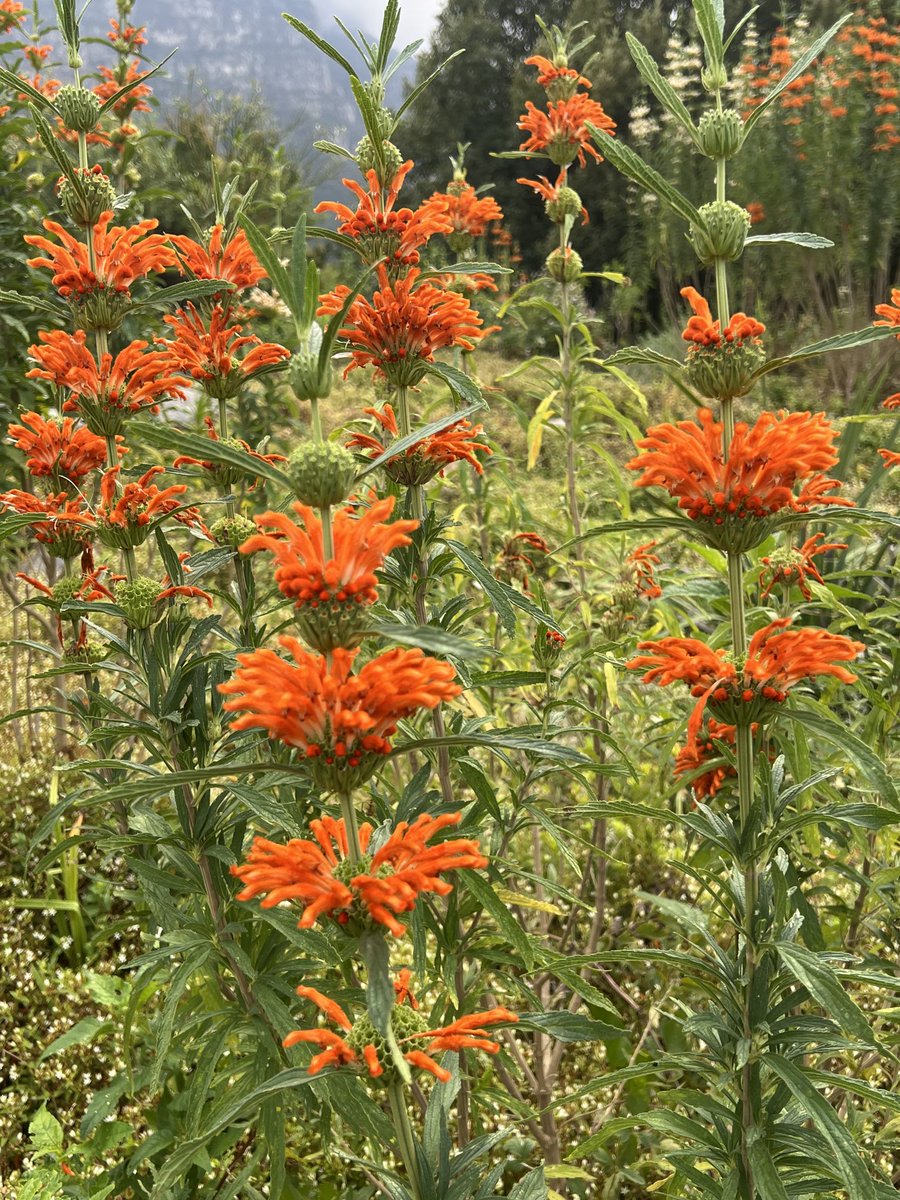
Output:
x=351 y=825
x=327 y=532
x=405 y=1140
x=316 y=418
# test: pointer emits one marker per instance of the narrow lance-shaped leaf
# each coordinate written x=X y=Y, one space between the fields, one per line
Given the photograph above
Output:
x=624 y=159
x=332 y=329
x=14 y=84
x=802 y=63
x=129 y=87
x=826 y=989
x=710 y=18
x=812 y=241
x=401 y=445
x=660 y=86
x=420 y=88
x=268 y=259
x=319 y=42
x=841 y=341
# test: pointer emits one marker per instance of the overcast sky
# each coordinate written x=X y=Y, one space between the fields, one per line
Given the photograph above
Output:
x=417 y=17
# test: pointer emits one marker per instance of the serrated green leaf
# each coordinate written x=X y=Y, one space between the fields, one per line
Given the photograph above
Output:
x=661 y=88
x=570 y=1027
x=486 y=897
x=813 y=973
x=624 y=159
x=812 y=241
x=799 y=67
x=82 y=1033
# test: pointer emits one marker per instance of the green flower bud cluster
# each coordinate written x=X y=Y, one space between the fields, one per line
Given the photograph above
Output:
x=104 y=309
x=390 y=160
x=137 y=598
x=65 y=589
x=323 y=473
x=722 y=234
x=405 y=1022
x=721 y=133
x=232 y=531
x=547 y=648
x=726 y=371
x=305 y=377
x=78 y=107
x=564 y=265
x=566 y=204
x=84 y=205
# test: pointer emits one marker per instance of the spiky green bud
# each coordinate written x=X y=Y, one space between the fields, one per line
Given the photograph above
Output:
x=322 y=473
x=386 y=164
x=97 y=195
x=137 y=598
x=566 y=204
x=722 y=234
x=564 y=265
x=78 y=107
x=721 y=132
x=547 y=648
x=232 y=531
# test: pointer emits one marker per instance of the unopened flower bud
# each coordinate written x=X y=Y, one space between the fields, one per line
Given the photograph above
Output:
x=78 y=107
x=323 y=473
x=137 y=598
x=566 y=204
x=389 y=161
x=714 y=79
x=35 y=179
x=97 y=195
x=721 y=133
x=279 y=198
x=232 y=531
x=304 y=376
x=102 y=309
x=65 y=589
x=723 y=232
x=724 y=371
x=84 y=654
x=564 y=265
x=547 y=648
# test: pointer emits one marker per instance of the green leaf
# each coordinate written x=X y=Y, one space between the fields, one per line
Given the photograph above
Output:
x=812 y=241
x=193 y=289
x=16 y=85
x=379 y=986
x=319 y=43
x=45 y=1132
x=332 y=329
x=710 y=19
x=624 y=159
x=129 y=87
x=433 y=639
x=570 y=1027
x=852 y=1169
x=813 y=973
x=420 y=88
x=469 y=268
x=34 y=302
x=481 y=889
x=814 y=716
x=799 y=67
x=464 y=389
x=168 y=437
x=661 y=88
x=637 y=354
x=268 y=259
x=532 y=1187
x=82 y=1033
x=842 y=341
x=495 y=593
x=765 y=1173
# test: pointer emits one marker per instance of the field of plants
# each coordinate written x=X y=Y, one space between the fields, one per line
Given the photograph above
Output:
x=450 y=688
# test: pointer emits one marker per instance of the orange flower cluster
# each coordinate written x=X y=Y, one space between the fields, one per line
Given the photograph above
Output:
x=380 y=230
x=378 y=888
x=343 y=722
x=337 y=587
x=890 y=313
x=697 y=753
x=552 y=193
x=61 y=523
x=128 y=37
x=234 y=261
x=552 y=73
x=405 y=323
x=12 y=14
x=641 y=561
x=224 y=472
x=562 y=131
x=125 y=513
x=58 y=449
x=775 y=465
x=794 y=567
x=518 y=558
x=104 y=394
x=468 y=213
x=742 y=693
x=704 y=331
x=361 y=1044
x=427 y=457
x=121 y=256
x=207 y=352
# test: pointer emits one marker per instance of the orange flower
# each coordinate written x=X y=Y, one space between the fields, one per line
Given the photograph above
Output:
x=64 y=527
x=343 y=722
x=133 y=101
x=406 y=866
x=562 y=130
x=891 y=458
x=550 y=73
x=734 y=499
x=704 y=331
x=327 y=590
x=234 y=262
x=57 y=449
x=12 y=14
x=379 y=229
x=427 y=457
x=789 y=567
x=404 y=324
x=642 y=562
x=890 y=312
x=757 y=212
x=517 y=558
x=469 y=1032
x=104 y=395
x=124 y=516
x=697 y=754
x=121 y=256
x=469 y=214
x=551 y=191
x=777 y=658
x=130 y=36
x=319 y=875
x=209 y=353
